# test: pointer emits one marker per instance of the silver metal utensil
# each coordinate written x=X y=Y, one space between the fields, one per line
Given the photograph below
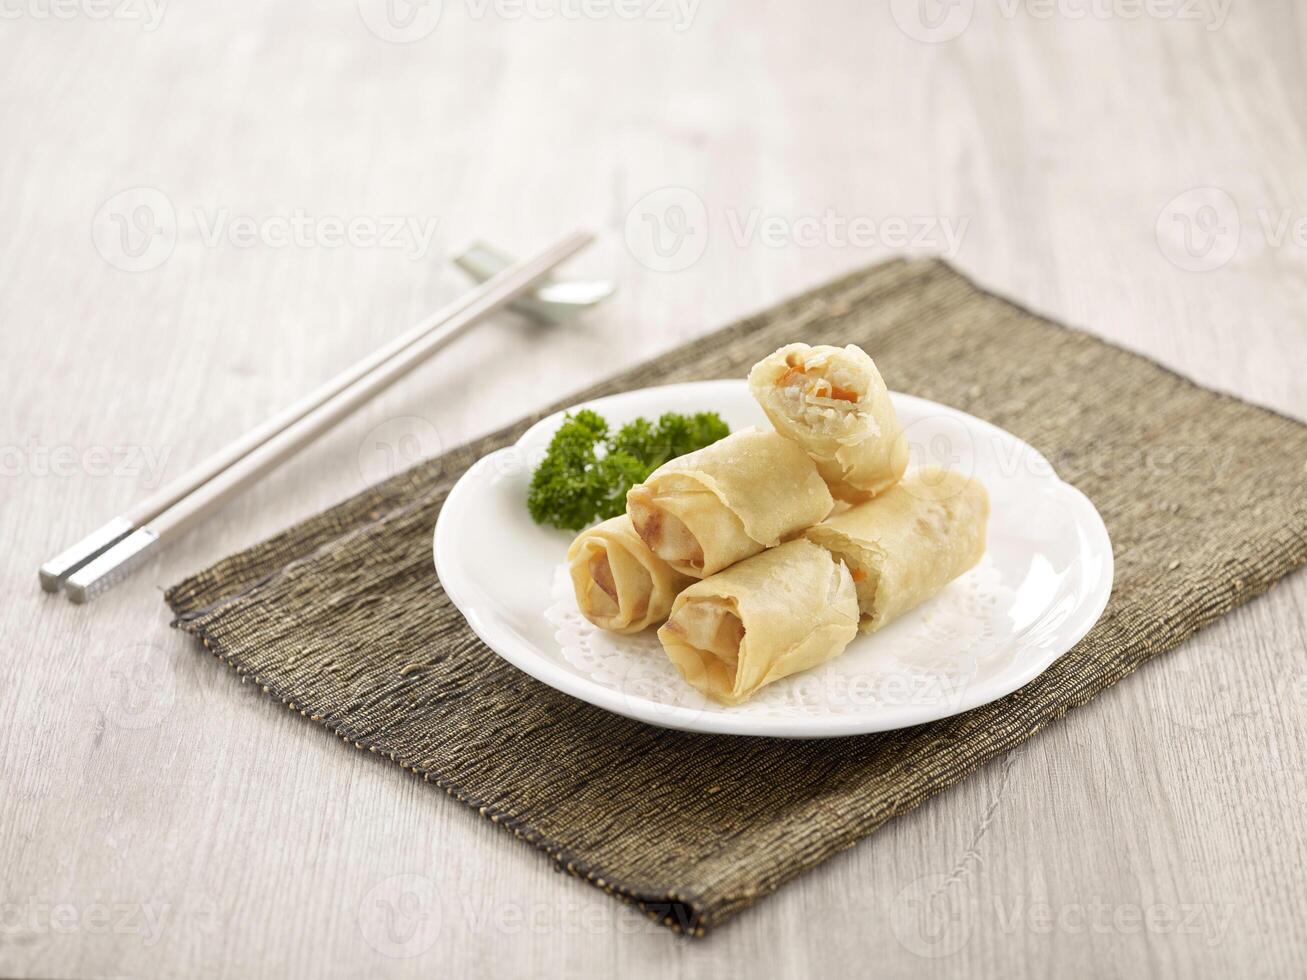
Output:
x=552 y=302
x=110 y=552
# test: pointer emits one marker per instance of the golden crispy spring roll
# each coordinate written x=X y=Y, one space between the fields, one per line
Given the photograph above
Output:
x=718 y=505
x=910 y=542
x=834 y=404
x=620 y=584
x=772 y=615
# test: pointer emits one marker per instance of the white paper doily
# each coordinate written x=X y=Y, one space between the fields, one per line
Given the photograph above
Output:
x=926 y=658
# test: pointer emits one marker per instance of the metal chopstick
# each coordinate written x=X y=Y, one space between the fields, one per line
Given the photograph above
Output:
x=112 y=551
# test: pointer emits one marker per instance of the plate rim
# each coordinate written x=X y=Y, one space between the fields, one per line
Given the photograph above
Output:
x=526 y=657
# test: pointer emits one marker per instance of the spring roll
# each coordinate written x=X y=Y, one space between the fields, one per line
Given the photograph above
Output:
x=785 y=610
x=910 y=542
x=718 y=505
x=834 y=404
x=620 y=584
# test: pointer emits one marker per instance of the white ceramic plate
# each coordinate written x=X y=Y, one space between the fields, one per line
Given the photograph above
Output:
x=1042 y=584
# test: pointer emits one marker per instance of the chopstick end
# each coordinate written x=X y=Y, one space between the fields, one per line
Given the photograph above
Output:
x=111 y=567
x=55 y=572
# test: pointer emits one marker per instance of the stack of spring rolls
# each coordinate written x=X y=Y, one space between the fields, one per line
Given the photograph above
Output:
x=742 y=553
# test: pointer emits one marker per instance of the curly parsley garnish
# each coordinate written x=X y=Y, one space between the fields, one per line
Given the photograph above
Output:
x=587 y=470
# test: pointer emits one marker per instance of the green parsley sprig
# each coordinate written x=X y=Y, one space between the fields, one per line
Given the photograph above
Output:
x=587 y=470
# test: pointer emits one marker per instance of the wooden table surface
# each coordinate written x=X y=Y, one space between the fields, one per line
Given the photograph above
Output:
x=298 y=173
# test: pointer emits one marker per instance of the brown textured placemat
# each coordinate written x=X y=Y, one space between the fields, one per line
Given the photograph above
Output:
x=342 y=618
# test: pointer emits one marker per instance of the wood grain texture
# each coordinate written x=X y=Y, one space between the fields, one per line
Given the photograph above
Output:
x=188 y=826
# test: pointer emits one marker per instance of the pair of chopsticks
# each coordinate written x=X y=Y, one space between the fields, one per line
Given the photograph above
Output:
x=111 y=552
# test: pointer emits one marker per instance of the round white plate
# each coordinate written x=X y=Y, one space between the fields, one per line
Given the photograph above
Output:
x=1042 y=584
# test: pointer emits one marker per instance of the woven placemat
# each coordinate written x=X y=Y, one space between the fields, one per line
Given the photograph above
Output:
x=342 y=618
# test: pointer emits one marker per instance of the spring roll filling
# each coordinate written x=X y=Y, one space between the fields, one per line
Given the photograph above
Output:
x=678 y=516
x=667 y=535
x=602 y=573
x=712 y=629
x=824 y=397
x=599 y=587
x=605 y=588
x=865 y=574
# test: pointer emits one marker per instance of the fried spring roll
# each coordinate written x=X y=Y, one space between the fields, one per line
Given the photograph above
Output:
x=620 y=584
x=723 y=503
x=910 y=542
x=833 y=403
x=772 y=615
